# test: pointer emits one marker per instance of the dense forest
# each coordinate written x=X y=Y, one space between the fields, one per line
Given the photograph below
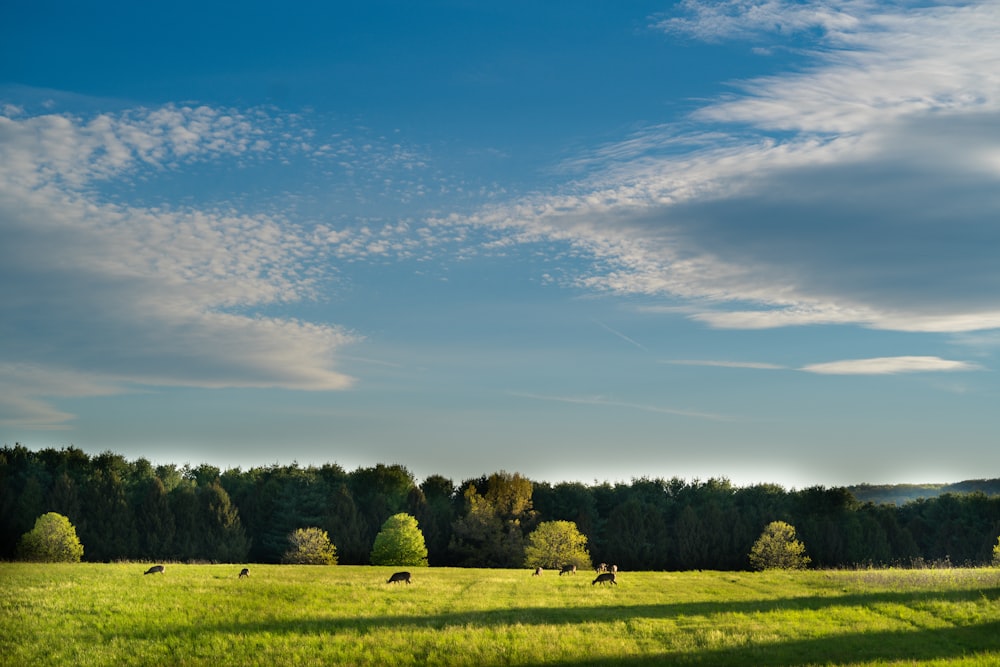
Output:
x=133 y=510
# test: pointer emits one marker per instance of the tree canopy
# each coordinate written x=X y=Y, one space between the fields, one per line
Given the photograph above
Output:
x=52 y=540
x=133 y=510
x=310 y=546
x=556 y=543
x=778 y=549
x=400 y=542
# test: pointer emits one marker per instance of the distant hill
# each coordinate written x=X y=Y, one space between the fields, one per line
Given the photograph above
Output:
x=900 y=494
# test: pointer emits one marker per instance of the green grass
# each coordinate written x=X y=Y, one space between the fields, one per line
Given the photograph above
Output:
x=91 y=614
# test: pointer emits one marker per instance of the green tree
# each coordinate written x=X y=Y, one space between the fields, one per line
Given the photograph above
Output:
x=556 y=543
x=491 y=531
x=400 y=542
x=778 y=549
x=52 y=540
x=223 y=536
x=310 y=546
x=436 y=516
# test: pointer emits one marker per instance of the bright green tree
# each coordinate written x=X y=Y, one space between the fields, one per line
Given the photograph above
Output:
x=400 y=542
x=310 y=546
x=556 y=543
x=52 y=540
x=778 y=549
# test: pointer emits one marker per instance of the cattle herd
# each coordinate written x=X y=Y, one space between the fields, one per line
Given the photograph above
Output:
x=605 y=574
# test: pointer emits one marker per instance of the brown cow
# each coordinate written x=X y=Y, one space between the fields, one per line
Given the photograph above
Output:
x=245 y=572
x=154 y=570
x=567 y=569
x=606 y=576
x=399 y=576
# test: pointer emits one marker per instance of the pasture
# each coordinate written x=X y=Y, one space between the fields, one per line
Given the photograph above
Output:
x=93 y=614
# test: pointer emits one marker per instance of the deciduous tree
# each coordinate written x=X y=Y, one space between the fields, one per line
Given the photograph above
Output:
x=778 y=549
x=556 y=543
x=52 y=540
x=400 y=542
x=310 y=546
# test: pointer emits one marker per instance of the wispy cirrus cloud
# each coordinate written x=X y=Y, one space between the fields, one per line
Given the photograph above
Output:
x=890 y=366
x=611 y=403
x=871 y=366
x=724 y=364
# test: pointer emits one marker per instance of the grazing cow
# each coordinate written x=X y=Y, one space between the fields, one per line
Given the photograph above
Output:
x=399 y=576
x=154 y=570
x=606 y=576
x=603 y=567
x=245 y=572
x=614 y=568
x=567 y=569
x=538 y=571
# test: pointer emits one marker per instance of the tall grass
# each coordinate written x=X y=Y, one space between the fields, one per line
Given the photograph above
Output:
x=88 y=614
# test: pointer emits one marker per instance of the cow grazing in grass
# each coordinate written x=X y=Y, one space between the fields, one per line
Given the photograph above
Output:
x=154 y=570
x=603 y=567
x=603 y=577
x=399 y=576
x=245 y=572
x=567 y=569
x=614 y=568
x=538 y=571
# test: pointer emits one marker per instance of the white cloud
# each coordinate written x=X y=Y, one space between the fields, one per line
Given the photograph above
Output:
x=127 y=295
x=726 y=19
x=873 y=366
x=861 y=189
x=890 y=365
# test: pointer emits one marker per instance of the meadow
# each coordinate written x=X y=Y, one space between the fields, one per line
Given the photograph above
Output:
x=100 y=614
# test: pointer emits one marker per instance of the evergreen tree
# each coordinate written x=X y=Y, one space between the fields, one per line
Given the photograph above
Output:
x=154 y=521
x=224 y=539
x=436 y=516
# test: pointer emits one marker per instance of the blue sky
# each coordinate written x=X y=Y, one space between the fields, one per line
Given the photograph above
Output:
x=579 y=241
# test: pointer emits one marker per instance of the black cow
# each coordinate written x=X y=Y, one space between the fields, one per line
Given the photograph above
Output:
x=606 y=576
x=154 y=570
x=538 y=571
x=245 y=572
x=399 y=576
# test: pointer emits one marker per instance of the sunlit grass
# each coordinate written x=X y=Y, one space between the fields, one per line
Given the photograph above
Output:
x=88 y=614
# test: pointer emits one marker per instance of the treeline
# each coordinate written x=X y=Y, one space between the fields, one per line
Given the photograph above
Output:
x=133 y=510
x=900 y=494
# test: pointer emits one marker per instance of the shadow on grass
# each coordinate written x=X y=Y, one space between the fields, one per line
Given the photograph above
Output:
x=922 y=644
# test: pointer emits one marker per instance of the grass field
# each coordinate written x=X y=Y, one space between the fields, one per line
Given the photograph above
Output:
x=91 y=614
